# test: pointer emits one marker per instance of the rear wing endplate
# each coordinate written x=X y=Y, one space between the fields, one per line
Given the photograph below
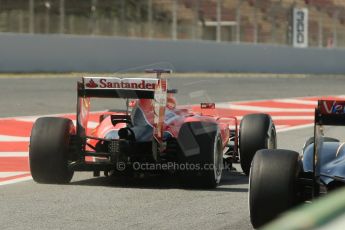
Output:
x=330 y=112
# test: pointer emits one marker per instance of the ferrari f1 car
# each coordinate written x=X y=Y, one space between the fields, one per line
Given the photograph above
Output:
x=280 y=179
x=151 y=130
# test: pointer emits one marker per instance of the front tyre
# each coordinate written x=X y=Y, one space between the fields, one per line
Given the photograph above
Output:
x=257 y=131
x=49 y=150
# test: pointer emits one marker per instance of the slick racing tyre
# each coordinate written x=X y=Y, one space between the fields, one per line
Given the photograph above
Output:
x=257 y=131
x=201 y=148
x=272 y=184
x=49 y=150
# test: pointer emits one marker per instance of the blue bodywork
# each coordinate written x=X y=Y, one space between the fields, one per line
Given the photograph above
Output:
x=331 y=161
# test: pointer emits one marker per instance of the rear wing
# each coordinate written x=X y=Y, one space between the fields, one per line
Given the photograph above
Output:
x=330 y=112
x=110 y=87
x=113 y=87
x=135 y=88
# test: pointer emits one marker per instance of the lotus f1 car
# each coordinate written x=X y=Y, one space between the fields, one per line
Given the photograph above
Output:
x=155 y=131
x=279 y=179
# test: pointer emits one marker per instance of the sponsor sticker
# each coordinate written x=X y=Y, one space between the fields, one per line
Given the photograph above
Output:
x=332 y=107
x=119 y=83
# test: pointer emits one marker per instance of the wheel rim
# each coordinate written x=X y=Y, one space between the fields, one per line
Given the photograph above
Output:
x=249 y=186
x=271 y=140
x=218 y=159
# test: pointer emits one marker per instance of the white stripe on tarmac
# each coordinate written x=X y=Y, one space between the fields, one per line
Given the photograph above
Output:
x=269 y=109
x=10 y=174
x=295 y=118
x=341 y=97
x=14 y=154
x=33 y=118
x=223 y=105
x=13 y=138
x=295 y=128
x=27 y=119
x=281 y=126
x=90 y=124
x=232 y=127
x=296 y=101
x=262 y=109
x=288 y=118
x=21 y=179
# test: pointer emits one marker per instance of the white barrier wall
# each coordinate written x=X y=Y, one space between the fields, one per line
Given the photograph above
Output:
x=63 y=53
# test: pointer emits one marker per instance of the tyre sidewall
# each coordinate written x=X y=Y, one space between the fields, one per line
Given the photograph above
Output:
x=257 y=131
x=209 y=143
x=49 y=147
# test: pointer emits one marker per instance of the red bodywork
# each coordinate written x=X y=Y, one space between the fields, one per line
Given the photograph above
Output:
x=174 y=118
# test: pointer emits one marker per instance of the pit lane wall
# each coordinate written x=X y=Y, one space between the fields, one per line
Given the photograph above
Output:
x=64 y=53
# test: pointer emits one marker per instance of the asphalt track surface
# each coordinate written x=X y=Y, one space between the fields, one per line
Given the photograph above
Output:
x=152 y=202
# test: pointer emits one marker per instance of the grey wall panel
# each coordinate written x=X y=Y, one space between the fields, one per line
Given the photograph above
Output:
x=61 y=53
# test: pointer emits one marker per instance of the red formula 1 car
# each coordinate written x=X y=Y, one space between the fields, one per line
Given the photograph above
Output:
x=152 y=134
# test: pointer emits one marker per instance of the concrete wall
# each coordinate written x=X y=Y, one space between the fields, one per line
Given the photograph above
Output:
x=56 y=53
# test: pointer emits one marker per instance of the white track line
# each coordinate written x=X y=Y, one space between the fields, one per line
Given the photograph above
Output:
x=90 y=124
x=295 y=128
x=296 y=101
x=281 y=126
x=10 y=174
x=287 y=118
x=262 y=109
x=277 y=127
x=27 y=119
x=340 y=97
x=295 y=118
x=224 y=105
x=14 y=154
x=13 y=138
x=21 y=179
x=30 y=118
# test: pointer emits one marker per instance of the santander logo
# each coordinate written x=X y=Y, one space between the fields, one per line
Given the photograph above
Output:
x=142 y=84
x=118 y=83
x=91 y=84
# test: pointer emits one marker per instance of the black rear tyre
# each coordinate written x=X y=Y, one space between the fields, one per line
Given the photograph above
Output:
x=257 y=131
x=201 y=148
x=272 y=184
x=49 y=150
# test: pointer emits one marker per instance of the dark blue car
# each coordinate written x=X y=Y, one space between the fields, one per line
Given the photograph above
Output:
x=280 y=179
